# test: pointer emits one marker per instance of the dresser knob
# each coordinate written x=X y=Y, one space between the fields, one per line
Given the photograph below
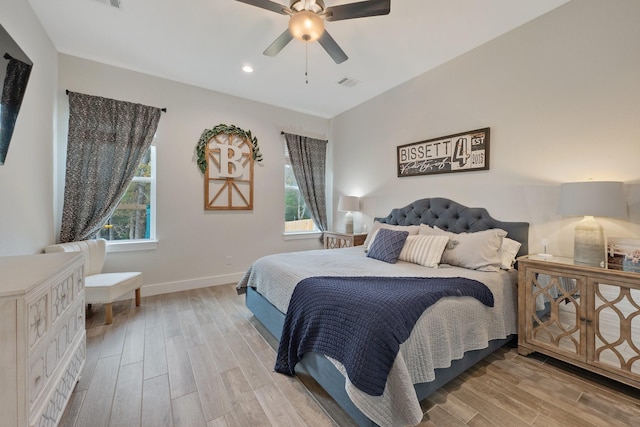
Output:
x=37 y=380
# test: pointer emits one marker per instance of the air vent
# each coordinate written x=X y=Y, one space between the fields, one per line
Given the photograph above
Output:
x=113 y=3
x=348 y=82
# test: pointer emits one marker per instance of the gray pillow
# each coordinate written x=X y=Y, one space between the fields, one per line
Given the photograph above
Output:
x=476 y=251
x=412 y=229
x=387 y=245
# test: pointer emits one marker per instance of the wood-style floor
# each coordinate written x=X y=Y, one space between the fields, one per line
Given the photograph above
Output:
x=199 y=358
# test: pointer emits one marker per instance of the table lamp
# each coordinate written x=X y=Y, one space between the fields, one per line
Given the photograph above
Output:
x=589 y=199
x=348 y=204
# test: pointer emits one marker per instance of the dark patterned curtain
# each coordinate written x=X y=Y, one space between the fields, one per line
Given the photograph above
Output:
x=308 y=161
x=107 y=139
x=13 y=89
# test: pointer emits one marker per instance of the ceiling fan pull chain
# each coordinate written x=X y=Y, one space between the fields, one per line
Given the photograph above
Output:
x=306 y=62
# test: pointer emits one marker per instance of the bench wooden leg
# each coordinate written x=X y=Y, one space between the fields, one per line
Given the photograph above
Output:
x=108 y=314
x=138 y=297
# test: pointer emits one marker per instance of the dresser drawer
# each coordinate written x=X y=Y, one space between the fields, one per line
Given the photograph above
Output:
x=78 y=281
x=61 y=297
x=42 y=367
x=50 y=306
x=50 y=411
x=37 y=377
x=63 y=341
x=38 y=325
x=45 y=361
x=78 y=319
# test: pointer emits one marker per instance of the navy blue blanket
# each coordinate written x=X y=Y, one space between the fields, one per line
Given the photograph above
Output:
x=361 y=321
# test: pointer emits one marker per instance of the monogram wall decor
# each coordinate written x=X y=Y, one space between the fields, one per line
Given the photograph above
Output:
x=225 y=156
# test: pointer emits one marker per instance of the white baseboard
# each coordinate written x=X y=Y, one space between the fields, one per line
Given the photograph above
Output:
x=185 y=285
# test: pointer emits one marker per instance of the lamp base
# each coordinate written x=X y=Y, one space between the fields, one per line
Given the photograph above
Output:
x=588 y=248
x=348 y=223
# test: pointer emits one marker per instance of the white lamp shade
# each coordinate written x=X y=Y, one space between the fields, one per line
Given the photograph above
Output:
x=348 y=204
x=592 y=198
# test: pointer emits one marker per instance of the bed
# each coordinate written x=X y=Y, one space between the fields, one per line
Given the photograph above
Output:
x=448 y=337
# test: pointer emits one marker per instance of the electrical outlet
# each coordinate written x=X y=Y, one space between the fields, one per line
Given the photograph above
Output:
x=228 y=262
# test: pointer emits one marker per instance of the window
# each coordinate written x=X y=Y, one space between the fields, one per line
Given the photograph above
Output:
x=296 y=214
x=134 y=217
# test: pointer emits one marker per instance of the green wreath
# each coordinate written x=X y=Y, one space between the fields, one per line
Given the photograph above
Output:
x=207 y=134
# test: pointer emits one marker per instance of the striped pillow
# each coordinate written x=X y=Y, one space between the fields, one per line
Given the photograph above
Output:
x=424 y=250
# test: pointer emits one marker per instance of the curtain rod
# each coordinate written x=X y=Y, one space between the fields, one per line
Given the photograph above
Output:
x=314 y=137
x=164 y=110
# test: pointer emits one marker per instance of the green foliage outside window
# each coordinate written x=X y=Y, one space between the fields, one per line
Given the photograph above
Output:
x=296 y=215
x=295 y=208
x=131 y=218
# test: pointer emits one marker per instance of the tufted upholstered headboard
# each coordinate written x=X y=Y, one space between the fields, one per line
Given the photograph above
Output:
x=452 y=216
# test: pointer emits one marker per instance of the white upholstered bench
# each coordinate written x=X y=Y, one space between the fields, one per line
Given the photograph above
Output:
x=101 y=288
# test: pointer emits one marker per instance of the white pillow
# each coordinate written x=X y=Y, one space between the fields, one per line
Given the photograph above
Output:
x=476 y=251
x=370 y=237
x=424 y=250
x=412 y=229
x=508 y=252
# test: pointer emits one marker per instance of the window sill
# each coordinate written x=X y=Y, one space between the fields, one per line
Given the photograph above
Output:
x=302 y=236
x=131 y=245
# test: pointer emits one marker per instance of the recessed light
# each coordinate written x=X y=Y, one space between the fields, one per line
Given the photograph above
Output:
x=247 y=69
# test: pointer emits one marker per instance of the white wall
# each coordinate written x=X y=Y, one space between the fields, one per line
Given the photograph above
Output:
x=194 y=243
x=561 y=95
x=26 y=201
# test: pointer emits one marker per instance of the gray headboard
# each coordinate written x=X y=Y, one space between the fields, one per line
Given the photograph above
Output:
x=452 y=216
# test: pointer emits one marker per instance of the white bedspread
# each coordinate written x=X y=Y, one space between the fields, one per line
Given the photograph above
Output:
x=443 y=333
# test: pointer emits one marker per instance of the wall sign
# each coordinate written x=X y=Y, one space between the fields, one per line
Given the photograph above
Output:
x=225 y=156
x=461 y=152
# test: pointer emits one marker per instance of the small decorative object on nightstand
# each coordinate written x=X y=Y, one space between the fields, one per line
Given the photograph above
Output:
x=334 y=240
x=583 y=315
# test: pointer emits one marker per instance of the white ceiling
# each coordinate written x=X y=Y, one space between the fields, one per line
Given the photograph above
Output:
x=205 y=43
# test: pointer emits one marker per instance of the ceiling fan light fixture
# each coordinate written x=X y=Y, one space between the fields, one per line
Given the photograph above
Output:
x=306 y=26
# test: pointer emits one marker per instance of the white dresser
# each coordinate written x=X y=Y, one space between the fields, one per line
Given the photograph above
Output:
x=42 y=336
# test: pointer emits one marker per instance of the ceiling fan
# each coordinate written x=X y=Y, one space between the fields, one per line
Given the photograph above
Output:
x=307 y=18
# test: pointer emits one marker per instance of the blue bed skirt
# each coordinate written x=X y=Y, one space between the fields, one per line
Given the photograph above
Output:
x=332 y=381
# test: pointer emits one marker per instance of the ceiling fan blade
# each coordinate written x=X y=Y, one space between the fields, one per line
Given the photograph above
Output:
x=279 y=43
x=269 y=5
x=332 y=48
x=358 y=10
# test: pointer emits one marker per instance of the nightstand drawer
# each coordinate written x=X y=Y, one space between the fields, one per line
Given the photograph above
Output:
x=333 y=240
